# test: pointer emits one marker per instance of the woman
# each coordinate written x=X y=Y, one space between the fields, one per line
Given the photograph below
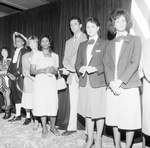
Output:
x=146 y=92
x=121 y=63
x=27 y=98
x=92 y=91
x=4 y=87
x=44 y=66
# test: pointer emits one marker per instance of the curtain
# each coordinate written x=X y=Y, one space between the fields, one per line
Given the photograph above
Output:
x=54 y=19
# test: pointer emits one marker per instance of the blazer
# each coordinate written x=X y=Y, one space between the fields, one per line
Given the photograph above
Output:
x=96 y=79
x=16 y=68
x=128 y=63
x=70 y=55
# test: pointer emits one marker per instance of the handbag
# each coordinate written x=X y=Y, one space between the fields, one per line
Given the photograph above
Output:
x=61 y=84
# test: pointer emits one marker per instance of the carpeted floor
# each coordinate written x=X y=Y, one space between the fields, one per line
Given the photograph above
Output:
x=15 y=135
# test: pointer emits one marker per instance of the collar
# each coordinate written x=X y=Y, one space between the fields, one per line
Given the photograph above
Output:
x=124 y=34
x=18 y=49
x=95 y=38
x=78 y=35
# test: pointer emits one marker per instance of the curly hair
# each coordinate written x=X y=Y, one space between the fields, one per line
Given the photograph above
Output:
x=50 y=41
x=115 y=15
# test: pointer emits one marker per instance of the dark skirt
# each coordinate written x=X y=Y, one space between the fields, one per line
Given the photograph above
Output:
x=92 y=101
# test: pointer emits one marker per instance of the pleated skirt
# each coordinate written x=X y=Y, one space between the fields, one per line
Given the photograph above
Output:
x=92 y=101
x=124 y=111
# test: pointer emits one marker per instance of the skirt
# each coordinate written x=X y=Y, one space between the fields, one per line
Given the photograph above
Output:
x=27 y=100
x=124 y=111
x=92 y=101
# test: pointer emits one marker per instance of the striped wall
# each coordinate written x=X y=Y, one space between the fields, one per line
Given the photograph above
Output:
x=140 y=13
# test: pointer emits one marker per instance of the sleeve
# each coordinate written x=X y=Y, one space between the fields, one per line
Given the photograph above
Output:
x=107 y=66
x=34 y=59
x=26 y=66
x=57 y=61
x=146 y=59
x=18 y=71
x=79 y=62
x=66 y=62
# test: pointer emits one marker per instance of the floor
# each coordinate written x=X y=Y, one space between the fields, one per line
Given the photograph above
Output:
x=15 y=135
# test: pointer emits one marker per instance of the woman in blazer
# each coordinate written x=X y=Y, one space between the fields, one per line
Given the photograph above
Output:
x=92 y=91
x=121 y=63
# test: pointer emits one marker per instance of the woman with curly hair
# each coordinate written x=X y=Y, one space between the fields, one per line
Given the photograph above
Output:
x=121 y=63
x=44 y=66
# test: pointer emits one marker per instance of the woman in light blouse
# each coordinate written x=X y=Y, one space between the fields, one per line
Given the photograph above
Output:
x=121 y=63
x=92 y=90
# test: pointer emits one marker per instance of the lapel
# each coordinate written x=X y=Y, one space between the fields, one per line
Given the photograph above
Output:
x=76 y=45
x=84 y=52
x=96 y=46
x=19 y=56
x=112 y=49
x=124 y=45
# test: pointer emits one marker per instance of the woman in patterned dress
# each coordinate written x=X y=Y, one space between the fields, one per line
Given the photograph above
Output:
x=4 y=87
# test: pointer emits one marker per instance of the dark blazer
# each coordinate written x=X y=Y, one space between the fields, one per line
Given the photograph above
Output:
x=16 y=69
x=96 y=79
x=128 y=64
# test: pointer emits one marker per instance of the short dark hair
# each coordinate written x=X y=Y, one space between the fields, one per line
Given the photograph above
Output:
x=115 y=15
x=93 y=20
x=49 y=38
x=76 y=18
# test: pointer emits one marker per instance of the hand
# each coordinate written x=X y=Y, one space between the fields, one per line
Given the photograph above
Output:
x=65 y=71
x=91 y=69
x=118 y=91
x=11 y=76
x=114 y=85
x=82 y=69
x=51 y=70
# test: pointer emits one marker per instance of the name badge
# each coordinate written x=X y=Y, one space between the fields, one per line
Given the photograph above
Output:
x=98 y=51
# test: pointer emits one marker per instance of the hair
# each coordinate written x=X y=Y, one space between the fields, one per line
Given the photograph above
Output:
x=95 y=21
x=76 y=18
x=33 y=38
x=115 y=15
x=6 y=48
x=50 y=41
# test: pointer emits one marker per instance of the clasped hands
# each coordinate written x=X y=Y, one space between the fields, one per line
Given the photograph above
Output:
x=88 y=69
x=115 y=87
x=50 y=71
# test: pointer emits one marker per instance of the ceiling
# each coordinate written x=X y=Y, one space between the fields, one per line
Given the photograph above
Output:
x=8 y=7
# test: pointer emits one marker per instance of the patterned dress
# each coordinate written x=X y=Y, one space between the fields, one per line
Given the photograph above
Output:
x=3 y=75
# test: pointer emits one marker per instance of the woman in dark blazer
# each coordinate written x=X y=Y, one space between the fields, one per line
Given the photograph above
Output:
x=121 y=63
x=92 y=91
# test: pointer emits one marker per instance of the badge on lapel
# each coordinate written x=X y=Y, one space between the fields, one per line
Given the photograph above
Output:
x=97 y=50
